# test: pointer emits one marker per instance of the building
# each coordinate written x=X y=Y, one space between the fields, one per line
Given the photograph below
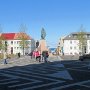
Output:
x=70 y=44
x=60 y=45
x=13 y=43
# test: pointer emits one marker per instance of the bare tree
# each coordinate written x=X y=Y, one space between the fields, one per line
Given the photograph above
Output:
x=81 y=36
x=23 y=37
x=2 y=41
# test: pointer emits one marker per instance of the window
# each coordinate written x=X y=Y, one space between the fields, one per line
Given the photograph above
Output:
x=70 y=42
x=62 y=41
x=74 y=47
x=70 y=47
x=18 y=42
x=20 y=47
x=11 y=42
x=75 y=41
x=14 y=42
x=74 y=36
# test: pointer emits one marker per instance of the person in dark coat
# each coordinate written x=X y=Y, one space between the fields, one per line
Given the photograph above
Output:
x=19 y=55
x=31 y=54
x=5 y=58
x=45 y=55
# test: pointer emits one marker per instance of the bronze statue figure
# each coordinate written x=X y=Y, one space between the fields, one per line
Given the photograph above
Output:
x=43 y=34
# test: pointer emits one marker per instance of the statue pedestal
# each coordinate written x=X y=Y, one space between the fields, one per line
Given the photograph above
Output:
x=43 y=46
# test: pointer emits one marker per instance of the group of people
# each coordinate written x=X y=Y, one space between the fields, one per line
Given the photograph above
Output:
x=40 y=56
x=36 y=54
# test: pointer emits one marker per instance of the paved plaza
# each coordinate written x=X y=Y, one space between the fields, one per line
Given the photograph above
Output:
x=27 y=74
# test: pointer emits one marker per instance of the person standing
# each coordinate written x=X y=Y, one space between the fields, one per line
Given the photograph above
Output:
x=19 y=55
x=31 y=54
x=5 y=58
x=34 y=54
x=45 y=56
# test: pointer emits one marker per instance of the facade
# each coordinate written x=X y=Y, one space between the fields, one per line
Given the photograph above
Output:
x=70 y=44
x=13 y=43
x=60 y=45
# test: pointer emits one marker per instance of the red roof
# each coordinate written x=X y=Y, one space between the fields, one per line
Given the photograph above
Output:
x=13 y=36
x=8 y=36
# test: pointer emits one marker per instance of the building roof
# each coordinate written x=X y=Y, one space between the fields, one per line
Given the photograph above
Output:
x=22 y=35
x=14 y=36
x=73 y=36
x=8 y=36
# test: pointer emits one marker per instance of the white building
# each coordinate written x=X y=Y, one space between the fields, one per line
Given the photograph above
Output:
x=60 y=45
x=70 y=45
x=13 y=43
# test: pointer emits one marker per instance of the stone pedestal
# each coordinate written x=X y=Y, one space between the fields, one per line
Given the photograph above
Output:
x=43 y=46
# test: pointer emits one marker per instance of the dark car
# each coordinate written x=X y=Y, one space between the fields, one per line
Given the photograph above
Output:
x=85 y=56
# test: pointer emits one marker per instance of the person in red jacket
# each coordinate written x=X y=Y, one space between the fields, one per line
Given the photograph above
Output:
x=37 y=56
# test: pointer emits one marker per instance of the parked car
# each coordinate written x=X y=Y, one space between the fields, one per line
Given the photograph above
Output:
x=85 y=56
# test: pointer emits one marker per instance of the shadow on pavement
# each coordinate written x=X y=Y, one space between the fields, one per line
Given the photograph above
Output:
x=40 y=76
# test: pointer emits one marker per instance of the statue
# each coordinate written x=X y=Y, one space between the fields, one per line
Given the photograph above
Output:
x=43 y=34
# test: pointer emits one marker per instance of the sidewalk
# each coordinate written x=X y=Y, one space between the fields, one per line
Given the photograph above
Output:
x=26 y=60
x=70 y=57
x=55 y=58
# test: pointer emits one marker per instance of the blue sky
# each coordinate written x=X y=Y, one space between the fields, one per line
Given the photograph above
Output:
x=57 y=17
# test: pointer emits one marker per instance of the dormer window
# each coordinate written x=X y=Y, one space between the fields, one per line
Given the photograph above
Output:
x=69 y=35
x=88 y=36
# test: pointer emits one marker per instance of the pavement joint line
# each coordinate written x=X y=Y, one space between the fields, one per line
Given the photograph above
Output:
x=6 y=79
x=85 y=86
x=16 y=77
x=9 y=82
x=8 y=75
x=34 y=76
x=66 y=86
x=28 y=88
x=79 y=67
x=20 y=84
x=40 y=76
x=79 y=70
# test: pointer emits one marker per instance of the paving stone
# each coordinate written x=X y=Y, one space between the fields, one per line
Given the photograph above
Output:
x=28 y=74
